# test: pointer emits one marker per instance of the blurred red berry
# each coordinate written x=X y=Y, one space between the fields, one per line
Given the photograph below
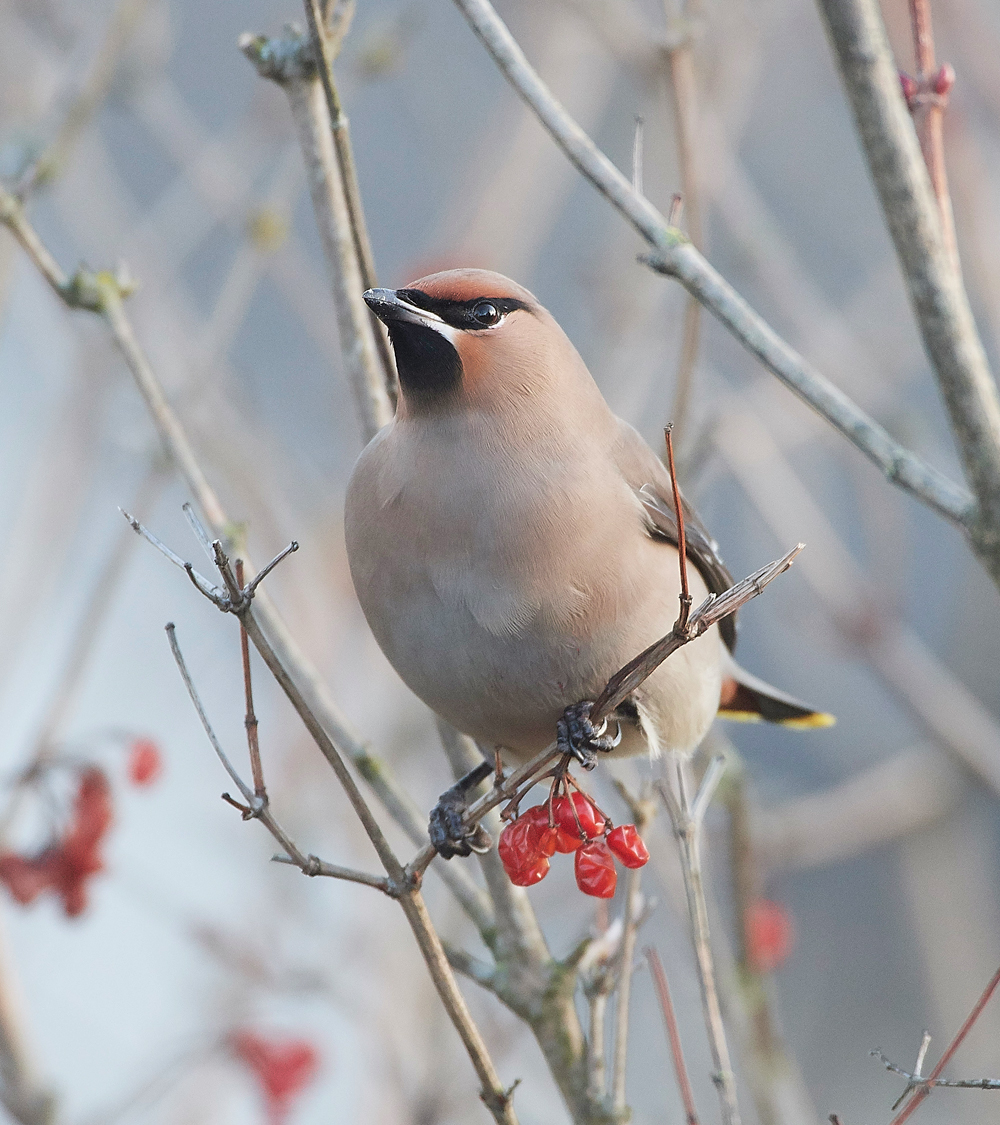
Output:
x=590 y=820
x=26 y=877
x=627 y=845
x=145 y=763
x=282 y=1067
x=595 y=870
x=769 y=934
x=66 y=864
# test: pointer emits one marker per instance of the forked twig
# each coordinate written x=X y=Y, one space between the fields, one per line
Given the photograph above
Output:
x=256 y=807
x=926 y=1085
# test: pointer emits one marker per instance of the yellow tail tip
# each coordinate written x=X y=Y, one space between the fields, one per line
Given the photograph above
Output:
x=816 y=721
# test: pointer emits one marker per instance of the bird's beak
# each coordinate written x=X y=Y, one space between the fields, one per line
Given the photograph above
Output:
x=390 y=308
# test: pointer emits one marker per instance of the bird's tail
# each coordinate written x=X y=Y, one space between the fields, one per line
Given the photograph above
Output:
x=747 y=699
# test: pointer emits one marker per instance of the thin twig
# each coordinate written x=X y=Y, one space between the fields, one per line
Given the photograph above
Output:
x=642 y=810
x=687 y=818
x=673 y=1034
x=251 y=719
x=713 y=609
x=684 y=88
x=917 y=1081
x=963 y=1031
x=256 y=807
x=927 y=104
x=685 y=595
x=674 y=255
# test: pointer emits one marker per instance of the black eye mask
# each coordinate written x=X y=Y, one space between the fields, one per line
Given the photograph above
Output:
x=463 y=314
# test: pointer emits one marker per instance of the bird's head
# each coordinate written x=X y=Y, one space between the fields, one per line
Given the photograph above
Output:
x=465 y=335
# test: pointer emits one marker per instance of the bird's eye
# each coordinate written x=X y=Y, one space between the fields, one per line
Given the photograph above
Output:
x=486 y=313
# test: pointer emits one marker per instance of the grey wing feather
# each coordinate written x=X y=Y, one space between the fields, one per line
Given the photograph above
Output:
x=651 y=481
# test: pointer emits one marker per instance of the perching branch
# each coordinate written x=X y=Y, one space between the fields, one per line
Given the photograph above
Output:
x=939 y=300
x=673 y=254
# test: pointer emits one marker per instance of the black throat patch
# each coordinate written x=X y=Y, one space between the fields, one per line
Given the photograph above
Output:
x=428 y=364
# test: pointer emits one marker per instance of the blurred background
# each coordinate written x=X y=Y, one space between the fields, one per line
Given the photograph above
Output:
x=874 y=840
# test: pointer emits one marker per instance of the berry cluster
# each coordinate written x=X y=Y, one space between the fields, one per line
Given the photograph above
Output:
x=569 y=823
x=68 y=862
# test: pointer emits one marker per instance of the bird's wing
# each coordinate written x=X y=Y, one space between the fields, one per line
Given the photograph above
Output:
x=651 y=482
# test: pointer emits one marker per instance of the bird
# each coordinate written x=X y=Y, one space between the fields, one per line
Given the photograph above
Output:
x=513 y=544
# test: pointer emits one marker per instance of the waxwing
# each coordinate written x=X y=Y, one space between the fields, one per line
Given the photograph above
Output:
x=513 y=543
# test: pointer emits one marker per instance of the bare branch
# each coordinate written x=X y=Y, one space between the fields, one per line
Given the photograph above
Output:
x=939 y=300
x=686 y=818
x=672 y=254
x=325 y=141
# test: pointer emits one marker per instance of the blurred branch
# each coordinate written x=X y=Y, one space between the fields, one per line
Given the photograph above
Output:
x=289 y=62
x=82 y=109
x=673 y=254
x=916 y=1081
x=936 y=292
x=900 y=795
x=687 y=818
x=21 y=1093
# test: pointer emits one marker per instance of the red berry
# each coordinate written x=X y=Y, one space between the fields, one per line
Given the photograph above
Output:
x=627 y=845
x=595 y=870
x=590 y=820
x=529 y=876
x=769 y=934
x=144 y=762
x=545 y=837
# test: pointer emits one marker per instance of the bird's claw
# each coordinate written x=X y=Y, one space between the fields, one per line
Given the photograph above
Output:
x=578 y=736
x=447 y=829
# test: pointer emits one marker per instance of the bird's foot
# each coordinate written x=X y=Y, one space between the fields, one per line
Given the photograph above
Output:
x=448 y=831
x=578 y=736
